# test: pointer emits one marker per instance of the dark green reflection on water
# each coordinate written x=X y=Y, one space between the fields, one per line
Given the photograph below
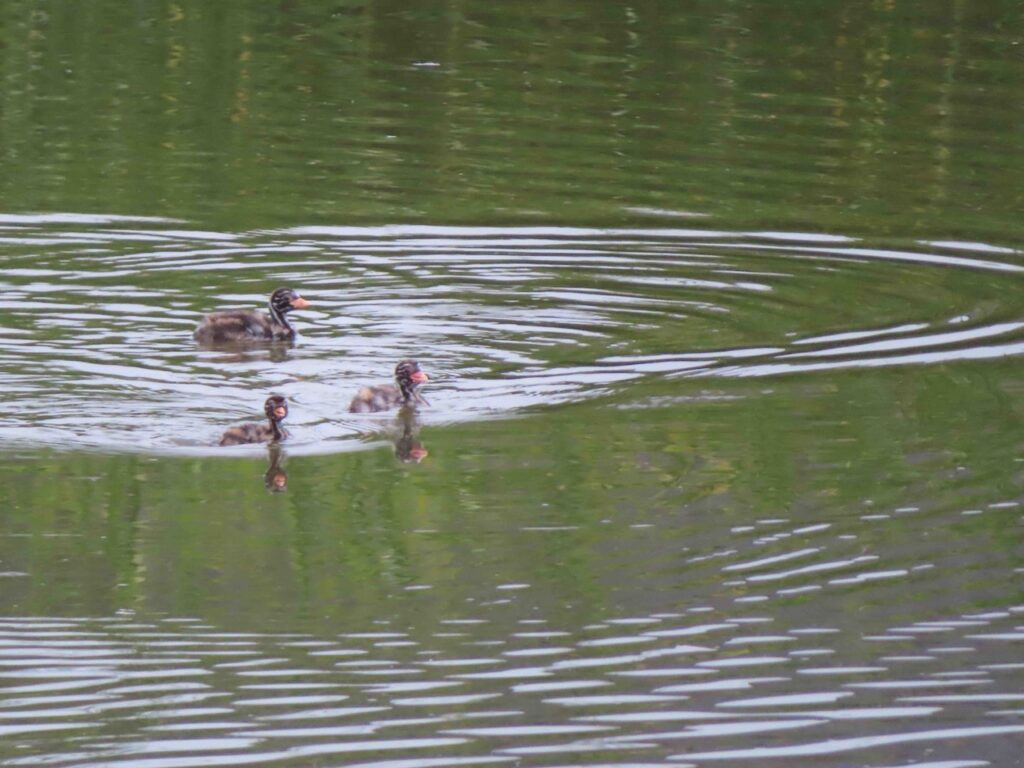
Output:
x=597 y=507
x=885 y=117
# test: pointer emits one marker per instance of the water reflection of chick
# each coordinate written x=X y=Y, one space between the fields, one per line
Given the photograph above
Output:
x=408 y=449
x=276 y=352
x=275 y=479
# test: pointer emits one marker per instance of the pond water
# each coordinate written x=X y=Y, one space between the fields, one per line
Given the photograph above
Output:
x=722 y=311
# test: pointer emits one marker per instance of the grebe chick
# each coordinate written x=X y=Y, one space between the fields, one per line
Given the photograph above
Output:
x=241 y=326
x=384 y=397
x=276 y=408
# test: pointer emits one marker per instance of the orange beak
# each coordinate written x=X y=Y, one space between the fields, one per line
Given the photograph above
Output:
x=299 y=303
x=280 y=411
x=419 y=377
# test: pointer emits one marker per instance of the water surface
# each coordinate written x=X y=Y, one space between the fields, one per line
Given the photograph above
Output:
x=721 y=308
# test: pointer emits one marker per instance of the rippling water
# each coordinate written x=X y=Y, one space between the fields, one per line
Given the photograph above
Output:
x=722 y=309
x=700 y=685
x=828 y=620
x=98 y=350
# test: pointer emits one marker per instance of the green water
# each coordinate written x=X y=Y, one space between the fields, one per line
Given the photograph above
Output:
x=203 y=537
x=722 y=308
x=882 y=118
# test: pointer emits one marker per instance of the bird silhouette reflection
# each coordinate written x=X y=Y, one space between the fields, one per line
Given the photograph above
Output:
x=408 y=448
x=234 y=352
x=275 y=479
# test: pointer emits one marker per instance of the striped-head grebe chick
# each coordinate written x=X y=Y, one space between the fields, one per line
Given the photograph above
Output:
x=247 y=326
x=384 y=397
x=276 y=408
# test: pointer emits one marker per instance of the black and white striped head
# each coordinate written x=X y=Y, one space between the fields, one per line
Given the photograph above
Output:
x=409 y=376
x=283 y=301
x=276 y=408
